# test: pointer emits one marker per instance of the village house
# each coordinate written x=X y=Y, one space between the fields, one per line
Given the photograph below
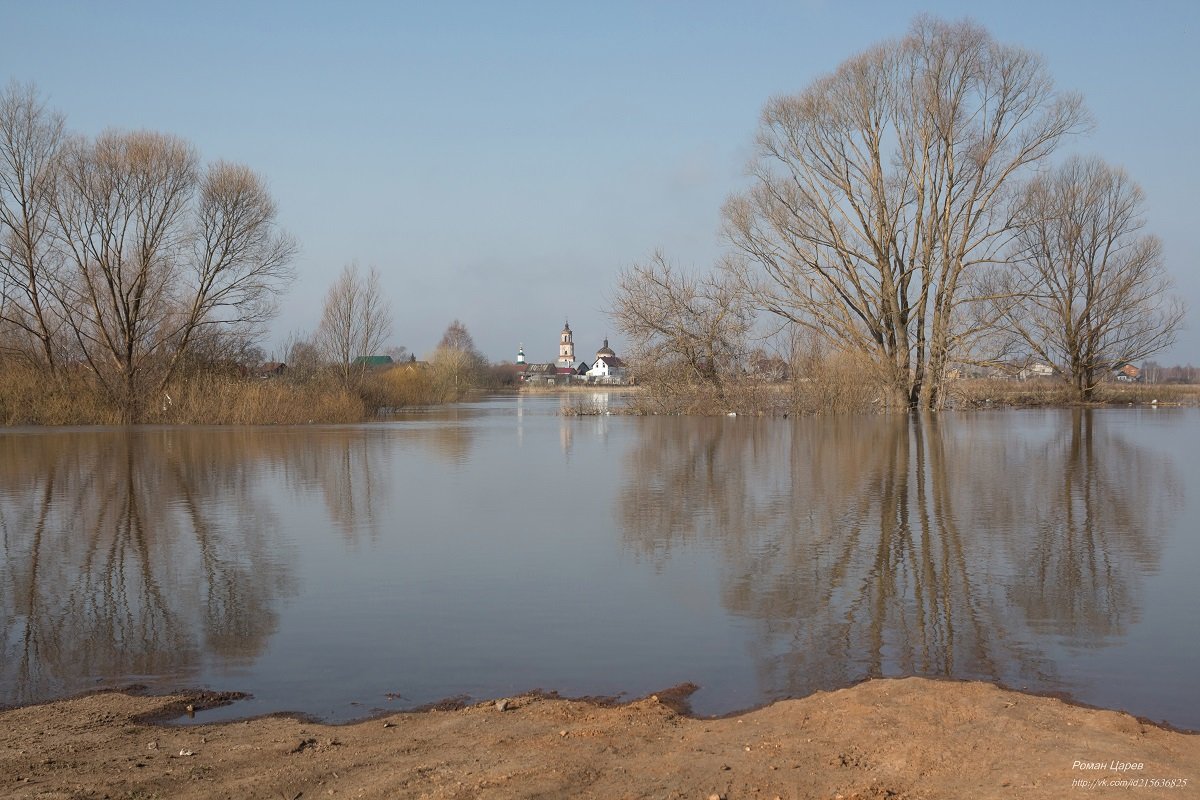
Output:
x=1127 y=373
x=1035 y=370
x=373 y=362
x=607 y=368
x=411 y=364
x=540 y=374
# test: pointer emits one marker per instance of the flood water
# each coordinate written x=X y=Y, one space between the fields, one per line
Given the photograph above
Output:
x=497 y=547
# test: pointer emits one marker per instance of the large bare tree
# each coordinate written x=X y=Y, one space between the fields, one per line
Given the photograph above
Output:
x=691 y=328
x=30 y=137
x=880 y=188
x=1089 y=292
x=161 y=251
x=356 y=321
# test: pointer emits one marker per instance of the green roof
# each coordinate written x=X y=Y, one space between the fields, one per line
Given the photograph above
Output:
x=373 y=361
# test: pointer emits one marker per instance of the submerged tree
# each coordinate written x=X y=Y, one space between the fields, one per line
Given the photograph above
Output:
x=684 y=330
x=879 y=189
x=1088 y=292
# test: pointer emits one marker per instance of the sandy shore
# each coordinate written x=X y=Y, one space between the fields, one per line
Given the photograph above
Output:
x=910 y=738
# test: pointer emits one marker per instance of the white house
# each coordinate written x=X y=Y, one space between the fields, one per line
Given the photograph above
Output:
x=1036 y=370
x=607 y=368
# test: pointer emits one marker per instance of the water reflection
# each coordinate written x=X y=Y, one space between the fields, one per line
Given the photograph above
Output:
x=345 y=466
x=449 y=433
x=500 y=546
x=130 y=554
x=148 y=553
x=901 y=545
x=1097 y=513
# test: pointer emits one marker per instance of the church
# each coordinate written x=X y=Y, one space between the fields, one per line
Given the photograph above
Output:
x=606 y=368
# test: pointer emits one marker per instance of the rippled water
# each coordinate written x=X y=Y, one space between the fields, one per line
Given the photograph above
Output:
x=497 y=547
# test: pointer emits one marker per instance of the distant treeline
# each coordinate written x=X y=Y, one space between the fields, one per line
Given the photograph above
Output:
x=1153 y=372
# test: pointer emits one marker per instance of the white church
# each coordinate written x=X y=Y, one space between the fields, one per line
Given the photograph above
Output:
x=606 y=368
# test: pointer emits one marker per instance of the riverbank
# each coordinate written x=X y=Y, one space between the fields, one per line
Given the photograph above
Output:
x=814 y=398
x=1046 y=393
x=907 y=738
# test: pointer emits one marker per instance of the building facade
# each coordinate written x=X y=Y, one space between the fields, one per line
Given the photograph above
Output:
x=566 y=348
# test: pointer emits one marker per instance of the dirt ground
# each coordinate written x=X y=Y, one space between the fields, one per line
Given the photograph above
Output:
x=909 y=738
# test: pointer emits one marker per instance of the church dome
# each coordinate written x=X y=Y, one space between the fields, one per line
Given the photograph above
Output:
x=605 y=350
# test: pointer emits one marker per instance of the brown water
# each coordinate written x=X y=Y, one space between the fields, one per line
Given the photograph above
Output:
x=498 y=547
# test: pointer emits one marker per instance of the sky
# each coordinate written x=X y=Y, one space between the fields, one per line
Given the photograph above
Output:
x=502 y=162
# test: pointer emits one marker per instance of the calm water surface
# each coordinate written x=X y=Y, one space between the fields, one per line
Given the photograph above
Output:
x=497 y=547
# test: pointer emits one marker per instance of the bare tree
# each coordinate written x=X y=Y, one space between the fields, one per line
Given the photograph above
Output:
x=302 y=355
x=695 y=328
x=880 y=188
x=228 y=350
x=458 y=364
x=457 y=337
x=1091 y=292
x=356 y=322
x=30 y=137
x=122 y=206
x=160 y=250
x=239 y=258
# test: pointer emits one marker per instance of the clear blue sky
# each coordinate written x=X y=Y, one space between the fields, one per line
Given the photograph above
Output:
x=500 y=162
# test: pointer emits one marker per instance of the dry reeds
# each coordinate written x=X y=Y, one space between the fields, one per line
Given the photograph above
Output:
x=30 y=395
x=404 y=386
x=840 y=383
x=993 y=392
x=1047 y=392
x=1156 y=393
x=223 y=400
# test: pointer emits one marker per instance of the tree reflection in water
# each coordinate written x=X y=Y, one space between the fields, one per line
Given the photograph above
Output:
x=147 y=553
x=131 y=554
x=867 y=546
x=962 y=545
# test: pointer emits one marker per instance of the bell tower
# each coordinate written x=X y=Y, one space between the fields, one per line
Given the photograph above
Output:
x=566 y=347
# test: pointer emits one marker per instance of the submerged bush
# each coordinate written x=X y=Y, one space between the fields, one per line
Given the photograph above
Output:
x=819 y=383
x=841 y=383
